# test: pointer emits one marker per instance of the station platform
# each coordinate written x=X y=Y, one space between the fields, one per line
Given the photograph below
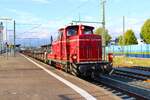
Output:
x=21 y=79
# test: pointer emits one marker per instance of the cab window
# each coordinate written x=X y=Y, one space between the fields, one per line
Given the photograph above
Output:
x=87 y=30
x=60 y=35
x=72 y=31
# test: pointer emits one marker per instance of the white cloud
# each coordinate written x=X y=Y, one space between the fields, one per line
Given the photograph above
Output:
x=39 y=28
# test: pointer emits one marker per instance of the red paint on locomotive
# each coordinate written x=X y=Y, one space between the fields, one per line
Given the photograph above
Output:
x=80 y=46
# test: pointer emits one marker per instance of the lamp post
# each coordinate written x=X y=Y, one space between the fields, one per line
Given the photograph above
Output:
x=14 y=38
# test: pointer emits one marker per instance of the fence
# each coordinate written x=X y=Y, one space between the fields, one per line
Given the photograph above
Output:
x=141 y=51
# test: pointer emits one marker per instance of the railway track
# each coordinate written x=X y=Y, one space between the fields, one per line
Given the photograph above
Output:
x=118 y=82
x=134 y=77
x=132 y=73
x=141 y=68
x=122 y=89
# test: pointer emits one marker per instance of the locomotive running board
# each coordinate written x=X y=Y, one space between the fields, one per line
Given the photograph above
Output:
x=59 y=61
x=94 y=62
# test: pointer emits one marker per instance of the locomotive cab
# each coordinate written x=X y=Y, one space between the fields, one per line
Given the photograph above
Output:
x=82 y=45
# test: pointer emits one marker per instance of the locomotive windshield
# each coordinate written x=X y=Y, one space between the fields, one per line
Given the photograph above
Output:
x=71 y=31
x=87 y=30
x=60 y=35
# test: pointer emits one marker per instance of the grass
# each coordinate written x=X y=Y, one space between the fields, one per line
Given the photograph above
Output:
x=125 y=61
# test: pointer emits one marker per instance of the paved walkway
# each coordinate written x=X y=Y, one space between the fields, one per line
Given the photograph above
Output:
x=22 y=80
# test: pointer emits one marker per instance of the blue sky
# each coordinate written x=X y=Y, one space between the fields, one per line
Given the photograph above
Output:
x=49 y=15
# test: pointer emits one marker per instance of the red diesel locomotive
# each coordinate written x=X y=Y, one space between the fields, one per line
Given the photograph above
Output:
x=79 y=51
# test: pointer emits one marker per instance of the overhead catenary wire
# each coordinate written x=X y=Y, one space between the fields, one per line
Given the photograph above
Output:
x=29 y=30
x=26 y=24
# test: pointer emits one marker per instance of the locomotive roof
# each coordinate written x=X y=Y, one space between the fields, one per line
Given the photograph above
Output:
x=79 y=25
x=75 y=26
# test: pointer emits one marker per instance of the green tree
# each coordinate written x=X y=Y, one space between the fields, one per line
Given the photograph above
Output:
x=100 y=31
x=129 y=38
x=120 y=40
x=145 y=32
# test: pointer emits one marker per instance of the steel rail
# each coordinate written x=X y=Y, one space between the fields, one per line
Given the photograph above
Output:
x=137 y=92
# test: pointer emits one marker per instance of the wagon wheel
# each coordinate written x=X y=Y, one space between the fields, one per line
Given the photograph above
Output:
x=45 y=61
x=66 y=69
x=51 y=63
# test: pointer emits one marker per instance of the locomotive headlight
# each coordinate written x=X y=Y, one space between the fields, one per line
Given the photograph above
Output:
x=74 y=57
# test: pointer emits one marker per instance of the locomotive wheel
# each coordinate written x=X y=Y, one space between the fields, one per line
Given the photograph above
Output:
x=45 y=61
